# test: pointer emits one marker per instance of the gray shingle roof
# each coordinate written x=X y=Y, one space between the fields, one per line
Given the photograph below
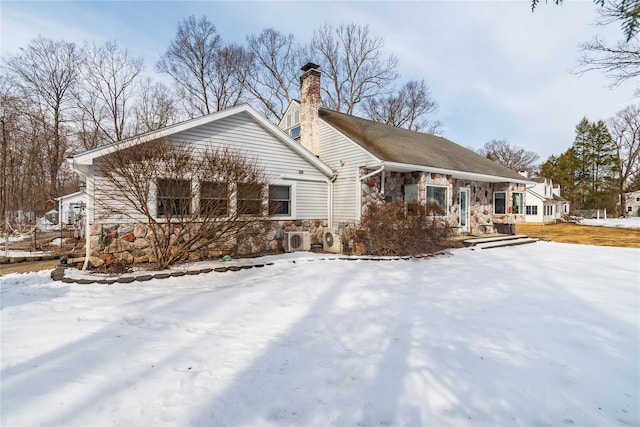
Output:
x=397 y=145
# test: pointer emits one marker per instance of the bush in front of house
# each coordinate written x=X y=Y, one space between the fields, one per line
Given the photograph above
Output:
x=400 y=229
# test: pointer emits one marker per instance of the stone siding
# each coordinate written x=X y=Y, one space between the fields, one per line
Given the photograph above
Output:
x=480 y=206
x=131 y=243
x=482 y=220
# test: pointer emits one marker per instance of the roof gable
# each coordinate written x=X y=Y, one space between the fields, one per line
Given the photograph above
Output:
x=87 y=157
x=392 y=144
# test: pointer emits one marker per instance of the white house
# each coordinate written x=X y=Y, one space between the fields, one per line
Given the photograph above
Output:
x=544 y=202
x=305 y=181
x=330 y=167
x=377 y=163
x=632 y=203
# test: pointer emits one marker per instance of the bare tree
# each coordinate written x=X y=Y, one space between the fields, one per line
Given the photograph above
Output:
x=110 y=78
x=229 y=83
x=10 y=124
x=190 y=61
x=624 y=128
x=620 y=62
x=155 y=108
x=273 y=78
x=47 y=71
x=191 y=200
x=408 y=109
x=354 y=64
x=203 y=69
x=24 y=175
x=511 y=156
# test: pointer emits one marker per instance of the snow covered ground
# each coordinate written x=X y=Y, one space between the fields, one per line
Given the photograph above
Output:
x=532 y=335
x=633 y=222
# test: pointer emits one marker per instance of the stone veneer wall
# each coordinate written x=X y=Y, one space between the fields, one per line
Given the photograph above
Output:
x=130 y=243
x=481 y=205
x=482 y=219
x=505 y=223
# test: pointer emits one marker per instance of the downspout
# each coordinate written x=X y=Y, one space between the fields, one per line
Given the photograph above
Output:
x=87 y=248
x=330 y=213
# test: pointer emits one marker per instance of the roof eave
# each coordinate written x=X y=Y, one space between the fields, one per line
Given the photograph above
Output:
x=405 y=167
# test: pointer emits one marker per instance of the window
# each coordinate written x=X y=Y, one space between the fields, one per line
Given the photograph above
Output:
x=517 y=202
x=629 y=208
x=214 y=199
x=295 y=132
x=279 y=200
x=500 y=202
x=174 y=198
x=638 y=199
x=411 y=193
x=532 y=210
x=249 y=199
x=437 y=199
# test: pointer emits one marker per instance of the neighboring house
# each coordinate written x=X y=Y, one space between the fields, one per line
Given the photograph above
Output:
x=306 y=180
x=632 y=203
x=544 y=202
x=376 y=163
x=71 y=207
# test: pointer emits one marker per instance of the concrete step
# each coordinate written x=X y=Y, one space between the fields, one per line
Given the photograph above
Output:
x=499 y=241
x=505 y=237
x=505 y=243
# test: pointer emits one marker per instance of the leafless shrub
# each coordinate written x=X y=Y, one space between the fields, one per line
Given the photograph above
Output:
x=191 y=199
x=400 y=229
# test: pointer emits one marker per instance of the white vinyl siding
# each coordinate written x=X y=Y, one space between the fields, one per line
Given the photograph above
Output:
x=242 y=133
x=312 y=200
x=345 y=157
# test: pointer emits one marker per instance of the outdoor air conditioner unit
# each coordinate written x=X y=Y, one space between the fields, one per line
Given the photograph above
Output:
x=331 y=240
x=297 y=241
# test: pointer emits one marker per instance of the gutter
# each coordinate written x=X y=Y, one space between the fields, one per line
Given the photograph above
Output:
x=457 y=173
x=375 y=172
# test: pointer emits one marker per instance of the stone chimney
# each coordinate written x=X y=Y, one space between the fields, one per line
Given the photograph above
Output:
x=309 y=104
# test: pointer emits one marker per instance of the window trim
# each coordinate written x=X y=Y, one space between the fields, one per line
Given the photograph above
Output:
x=288 y=201
x=292 y=199
x=446 y=197
x=522 y=204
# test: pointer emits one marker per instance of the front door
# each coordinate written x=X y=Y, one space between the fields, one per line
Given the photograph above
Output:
x=464 y=210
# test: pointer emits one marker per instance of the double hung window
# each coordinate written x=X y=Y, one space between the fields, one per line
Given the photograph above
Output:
x=279 y=200
x=249 y=197
x=214 y=199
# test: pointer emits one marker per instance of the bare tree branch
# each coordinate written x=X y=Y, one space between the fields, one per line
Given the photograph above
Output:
x=354 y=65
x=408 y=109
x=511 y=156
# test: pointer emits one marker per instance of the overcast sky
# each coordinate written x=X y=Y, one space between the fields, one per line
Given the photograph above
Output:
x=497 y=70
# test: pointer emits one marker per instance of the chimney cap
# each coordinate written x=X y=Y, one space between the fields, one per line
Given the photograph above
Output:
x=309 y=66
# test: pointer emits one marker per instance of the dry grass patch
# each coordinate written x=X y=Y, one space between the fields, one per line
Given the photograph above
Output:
x=582 y=234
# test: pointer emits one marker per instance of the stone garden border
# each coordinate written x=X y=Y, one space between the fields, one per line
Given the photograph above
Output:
x=58 y=273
